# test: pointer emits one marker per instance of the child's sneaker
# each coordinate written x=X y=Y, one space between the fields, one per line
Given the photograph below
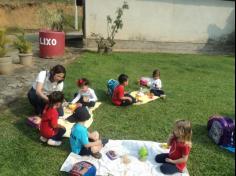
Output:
x=97 y=155
x=43 y=139
x=54 y=143
x=163 y=96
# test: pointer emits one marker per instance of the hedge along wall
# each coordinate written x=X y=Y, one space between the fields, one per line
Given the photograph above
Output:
x=197 y=21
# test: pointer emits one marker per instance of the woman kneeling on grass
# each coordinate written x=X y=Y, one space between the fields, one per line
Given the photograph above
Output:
x=46 y=82
x=50 y=131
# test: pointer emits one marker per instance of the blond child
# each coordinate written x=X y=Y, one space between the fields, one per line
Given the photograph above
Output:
x=180 y=145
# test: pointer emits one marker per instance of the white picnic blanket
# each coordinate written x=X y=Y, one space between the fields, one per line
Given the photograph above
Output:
x=117 y=167
x=62 y=120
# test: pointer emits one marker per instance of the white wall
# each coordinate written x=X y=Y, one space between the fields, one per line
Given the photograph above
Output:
x=165 y=20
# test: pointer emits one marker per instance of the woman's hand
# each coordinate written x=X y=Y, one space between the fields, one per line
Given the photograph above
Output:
x=39 y=92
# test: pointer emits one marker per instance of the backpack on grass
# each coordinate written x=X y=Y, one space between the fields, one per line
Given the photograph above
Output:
x=83 y=168
x=221 y=130
x=111 y=85
x=34 y=122
x=145 y=81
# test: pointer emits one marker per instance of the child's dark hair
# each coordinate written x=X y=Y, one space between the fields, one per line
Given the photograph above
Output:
x=55 y=97
x=123 y=78
x=83 y=82
x=57 y=70
x=156 y=73
x=81 y=114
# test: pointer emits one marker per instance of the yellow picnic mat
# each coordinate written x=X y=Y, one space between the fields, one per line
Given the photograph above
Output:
x=145 y=98
x=62 y=120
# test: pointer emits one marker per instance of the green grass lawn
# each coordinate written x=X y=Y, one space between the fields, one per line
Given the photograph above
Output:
x=196 y=86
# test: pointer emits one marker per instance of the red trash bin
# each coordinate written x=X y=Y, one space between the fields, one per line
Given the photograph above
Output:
x=51 y=44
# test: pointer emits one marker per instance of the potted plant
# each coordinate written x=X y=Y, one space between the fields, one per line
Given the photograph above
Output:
x=52 y=39
x=5 y=61
x=113 y=27
x=25 y=49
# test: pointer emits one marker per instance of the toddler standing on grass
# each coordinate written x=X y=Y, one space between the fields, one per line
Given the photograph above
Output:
x=180 y=145
x=50 y=131
x=156 y=85
x=120 y=98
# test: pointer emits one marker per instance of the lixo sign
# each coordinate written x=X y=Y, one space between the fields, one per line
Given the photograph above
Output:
x=51 y=44
x=47 y=41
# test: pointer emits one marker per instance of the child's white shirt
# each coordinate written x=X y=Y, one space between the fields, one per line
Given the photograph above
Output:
x=90 y=93
x=48 y=86
x=156 y=84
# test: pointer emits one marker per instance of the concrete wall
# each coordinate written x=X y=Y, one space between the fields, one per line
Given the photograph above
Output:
x=195 y=21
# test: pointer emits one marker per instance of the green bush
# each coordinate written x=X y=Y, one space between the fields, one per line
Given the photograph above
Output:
x=22 y=44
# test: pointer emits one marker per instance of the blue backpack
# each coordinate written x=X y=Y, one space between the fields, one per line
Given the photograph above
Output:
x=111 y=85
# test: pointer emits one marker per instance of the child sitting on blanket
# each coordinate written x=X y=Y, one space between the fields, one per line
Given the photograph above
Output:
x=155 y=84
x=120 y=97
x=85 y=96
x=83 y=142
x=50 y=131
x=180 y=146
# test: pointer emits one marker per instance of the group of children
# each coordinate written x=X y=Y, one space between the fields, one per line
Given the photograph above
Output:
x=85 y=143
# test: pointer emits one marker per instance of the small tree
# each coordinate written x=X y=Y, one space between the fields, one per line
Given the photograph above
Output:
x=113 y=26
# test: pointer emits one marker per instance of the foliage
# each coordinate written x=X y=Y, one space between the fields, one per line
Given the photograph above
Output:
x=52 y=18
x=3 y=42
x=113 y=26
x=22 y=44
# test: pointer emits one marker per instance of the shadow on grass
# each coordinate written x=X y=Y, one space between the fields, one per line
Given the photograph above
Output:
x=200 y=137
x=103 y=96
x=22 y=109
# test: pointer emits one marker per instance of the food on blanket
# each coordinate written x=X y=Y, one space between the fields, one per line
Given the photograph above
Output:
x=164 y=145
x=72 y=107
x=151 y=95
x=143 y=153
x=125 y=159
x=112 y=155
x=138 y=98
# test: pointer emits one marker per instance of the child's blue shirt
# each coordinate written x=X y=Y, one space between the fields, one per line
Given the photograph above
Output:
x=78 y=138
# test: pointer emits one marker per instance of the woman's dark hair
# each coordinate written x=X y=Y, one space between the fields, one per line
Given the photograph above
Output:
x=123 y=78
x=83 y=82
x=55 y=97
x=56 y=70
x=156 y=73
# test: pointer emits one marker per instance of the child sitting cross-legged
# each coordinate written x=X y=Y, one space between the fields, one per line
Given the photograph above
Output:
x=155 y=84
x=180 y=145
x=83 y=142
x=85 y=95
x=120 y=97
x=50 y=131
